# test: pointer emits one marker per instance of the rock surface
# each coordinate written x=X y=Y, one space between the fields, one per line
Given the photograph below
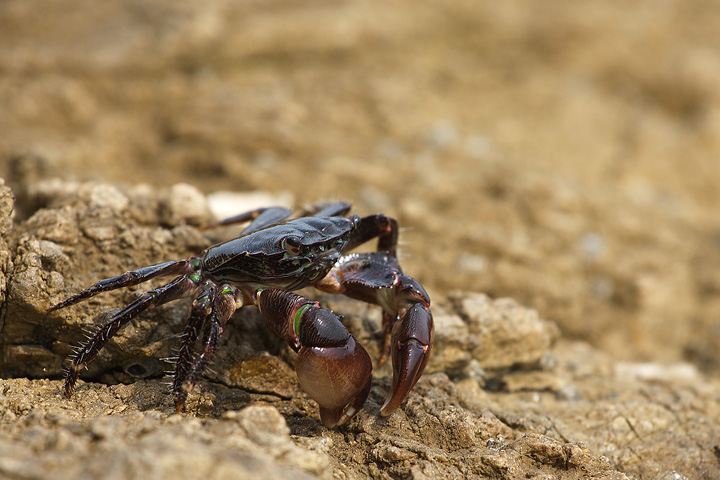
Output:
x=503 y=396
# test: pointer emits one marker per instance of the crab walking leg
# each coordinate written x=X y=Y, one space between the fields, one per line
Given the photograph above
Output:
x=133 y=277
x=200 y=311
x=407 y=319
x=261 y=217
x=379 y=226
x=326 y=210
x=178 y=288
x=332 y=367
x=224 y=304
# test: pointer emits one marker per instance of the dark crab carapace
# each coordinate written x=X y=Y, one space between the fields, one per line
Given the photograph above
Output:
x=273 y=256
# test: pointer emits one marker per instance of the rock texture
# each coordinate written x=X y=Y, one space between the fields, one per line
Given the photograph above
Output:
x=504 y=395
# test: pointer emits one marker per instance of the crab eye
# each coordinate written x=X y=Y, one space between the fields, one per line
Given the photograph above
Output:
x=291 y=245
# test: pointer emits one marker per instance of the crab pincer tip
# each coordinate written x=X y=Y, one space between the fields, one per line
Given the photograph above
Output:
x=409 y=362
x=412 y=338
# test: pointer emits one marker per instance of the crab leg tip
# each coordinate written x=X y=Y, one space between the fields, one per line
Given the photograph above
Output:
x=413 y=358
x=412 y=339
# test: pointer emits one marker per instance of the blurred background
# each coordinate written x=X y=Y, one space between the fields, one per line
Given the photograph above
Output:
x=563 y=153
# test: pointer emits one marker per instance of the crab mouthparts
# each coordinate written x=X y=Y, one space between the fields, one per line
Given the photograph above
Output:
x=332 y=253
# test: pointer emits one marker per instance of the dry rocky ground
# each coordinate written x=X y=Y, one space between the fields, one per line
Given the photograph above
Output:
x=554 y=166
x=501 y=398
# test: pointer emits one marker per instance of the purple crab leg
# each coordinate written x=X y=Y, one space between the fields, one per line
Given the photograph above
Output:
x=326 y=210
x=266 y=216
x=224 y=301
x=200 y=311
x=383 y=227
x=261 y=217
x=179 y=287
x=333 y=368
x=133 y=277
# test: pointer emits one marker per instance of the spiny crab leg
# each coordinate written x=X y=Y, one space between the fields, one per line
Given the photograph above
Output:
x=213 y=307
x=333 y=368
x=407 y=319
x=199 y=312
x=178 y=288
x=185 y=284
x=133 y=277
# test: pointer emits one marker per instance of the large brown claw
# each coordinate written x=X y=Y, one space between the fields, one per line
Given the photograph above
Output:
x=411 y=344
x=337 y=378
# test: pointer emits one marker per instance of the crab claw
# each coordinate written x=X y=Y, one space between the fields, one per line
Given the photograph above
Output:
x=410 y=348
x=337 y=378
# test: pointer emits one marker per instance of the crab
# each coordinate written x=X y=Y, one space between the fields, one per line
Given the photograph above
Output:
x=275 y=255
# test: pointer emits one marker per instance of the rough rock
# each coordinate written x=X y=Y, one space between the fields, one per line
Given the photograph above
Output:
x=504 y=395
x=116 y=441
x=7 y=202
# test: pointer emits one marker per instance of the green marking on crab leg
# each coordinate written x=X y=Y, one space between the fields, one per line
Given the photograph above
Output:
x=298 y=317
x=214 y=311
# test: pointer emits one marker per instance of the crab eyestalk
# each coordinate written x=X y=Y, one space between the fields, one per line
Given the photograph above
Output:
x=333 y=368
